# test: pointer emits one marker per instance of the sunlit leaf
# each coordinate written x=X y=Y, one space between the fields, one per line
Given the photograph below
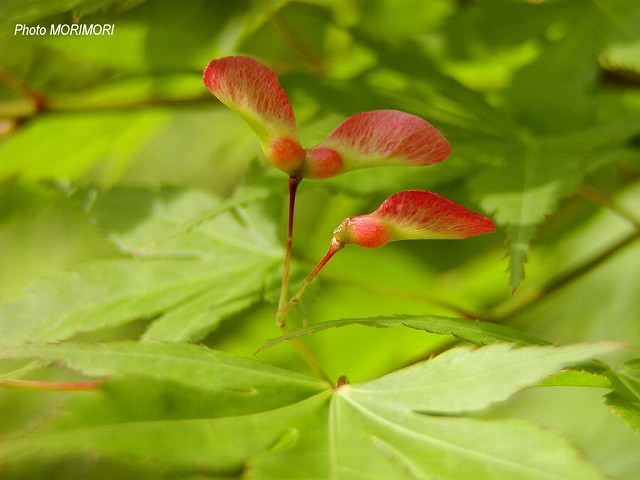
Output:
x=124 y=215
x=67 y=147
x=626 y=409
x=626 y=380
x=489 y=374
x=604 y=298
x=396 y=443
x=521 y=193
x=176 y=402
x=577 y=378
x=625 y=398
x=184 y=364
x=180 y=263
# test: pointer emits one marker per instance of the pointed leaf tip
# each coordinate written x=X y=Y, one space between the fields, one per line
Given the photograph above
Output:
x=382 y=137
x=413 y=214
x=252 y=89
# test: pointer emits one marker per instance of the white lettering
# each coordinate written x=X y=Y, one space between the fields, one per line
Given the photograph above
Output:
x=65 y=29
x=23 y=29
x=74 y=29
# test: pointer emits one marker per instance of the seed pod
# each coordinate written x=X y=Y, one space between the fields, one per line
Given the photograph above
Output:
x=376 y=138
x=252 y=90
x=412 y=214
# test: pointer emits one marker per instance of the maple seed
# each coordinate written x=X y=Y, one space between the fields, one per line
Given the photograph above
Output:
x=412 y=214
x=367 y=139
x=380 y=138
x=418 y=214
x=252 y=90
x=285 y=153
x=322 y=163
x=363 y=231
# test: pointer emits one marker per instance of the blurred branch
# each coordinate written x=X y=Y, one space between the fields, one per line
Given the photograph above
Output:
x=31 y=102
x=313 y=60
x=502 y=313
x=44 y=385
x=104 y=97
x=10 y=80
x=596 y=196
x=403 y=294
x=620 y=78
x=508 y=309
x=24 y=109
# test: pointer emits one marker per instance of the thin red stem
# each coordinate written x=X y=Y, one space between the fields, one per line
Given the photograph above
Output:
x=294 y=181
x=284 y=289
x=335 y=247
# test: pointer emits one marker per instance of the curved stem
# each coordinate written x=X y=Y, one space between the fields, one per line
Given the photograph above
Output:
x=335 y=247
x=284 y=289
x=309 y=357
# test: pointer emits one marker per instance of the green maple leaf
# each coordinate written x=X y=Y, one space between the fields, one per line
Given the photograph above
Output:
x=188 y=409
x=187 y=273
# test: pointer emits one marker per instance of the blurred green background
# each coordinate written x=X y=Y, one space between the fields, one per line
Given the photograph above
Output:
x=101 y=135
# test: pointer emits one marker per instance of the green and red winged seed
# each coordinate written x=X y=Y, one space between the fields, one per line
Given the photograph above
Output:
x=376 y=138
x=412 y=214
x=367 y=139
x=252 y=90
x=385 y=137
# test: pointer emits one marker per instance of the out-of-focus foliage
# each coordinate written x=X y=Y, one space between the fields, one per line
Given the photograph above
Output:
x=135 y=209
